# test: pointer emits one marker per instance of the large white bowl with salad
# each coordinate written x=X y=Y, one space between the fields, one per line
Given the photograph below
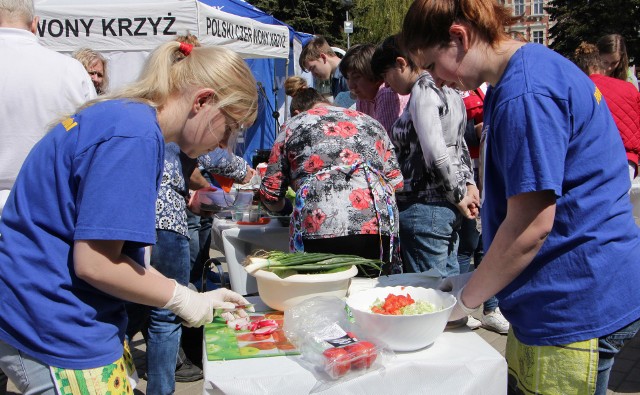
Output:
x=403 y=318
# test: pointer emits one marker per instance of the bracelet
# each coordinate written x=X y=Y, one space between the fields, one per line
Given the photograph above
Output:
x=464 y=308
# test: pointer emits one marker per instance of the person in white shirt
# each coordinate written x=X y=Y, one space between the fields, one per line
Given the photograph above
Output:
x=38 y=85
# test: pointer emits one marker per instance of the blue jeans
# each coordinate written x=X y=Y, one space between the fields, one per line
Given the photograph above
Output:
x=429 y=238
x=193 y=225
x=170 y=256
x=470 y=245
x=199 y=245
x=608 y=347
x=29 y=375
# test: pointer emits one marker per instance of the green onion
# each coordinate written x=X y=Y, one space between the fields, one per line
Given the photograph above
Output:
x=306 y=262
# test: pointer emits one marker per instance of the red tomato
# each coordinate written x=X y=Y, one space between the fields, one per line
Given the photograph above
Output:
x=337 y=361
x=378 y=310
x=363 y=354
x=393 y=304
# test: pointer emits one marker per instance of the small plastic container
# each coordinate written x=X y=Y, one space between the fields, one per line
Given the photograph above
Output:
x=243 y=199
x=320 y=329
x=246 y=214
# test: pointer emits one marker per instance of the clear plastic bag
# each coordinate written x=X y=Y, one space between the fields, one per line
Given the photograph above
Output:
x=321 y=329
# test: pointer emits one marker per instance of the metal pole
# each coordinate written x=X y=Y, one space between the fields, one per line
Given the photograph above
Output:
x=348 y=42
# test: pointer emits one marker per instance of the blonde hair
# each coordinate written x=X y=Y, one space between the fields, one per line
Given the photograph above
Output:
x=12 y=11
x=293 y=85
x=189 y=39
x=87 y=57
x=168 y=71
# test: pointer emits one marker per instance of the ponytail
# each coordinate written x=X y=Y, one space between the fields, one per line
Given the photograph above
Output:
x=169 y=71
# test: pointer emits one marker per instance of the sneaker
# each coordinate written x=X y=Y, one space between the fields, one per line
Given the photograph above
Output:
x=188 y=372
x=473 y=323
x=495 y=321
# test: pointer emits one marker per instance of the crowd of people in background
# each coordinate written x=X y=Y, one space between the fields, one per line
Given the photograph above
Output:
x=438 y=149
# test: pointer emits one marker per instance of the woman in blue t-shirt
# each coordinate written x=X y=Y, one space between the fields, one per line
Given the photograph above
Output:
x=560 y=240
x=83 y=208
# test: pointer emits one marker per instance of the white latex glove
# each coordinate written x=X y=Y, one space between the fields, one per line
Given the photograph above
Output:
x=197 y=309
x=454 y=284
x=460 y=310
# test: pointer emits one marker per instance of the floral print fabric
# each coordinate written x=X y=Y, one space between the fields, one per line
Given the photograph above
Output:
x=328 y=155
x=171 y=204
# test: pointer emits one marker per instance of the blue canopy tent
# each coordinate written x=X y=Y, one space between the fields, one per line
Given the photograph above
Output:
x=270 y=73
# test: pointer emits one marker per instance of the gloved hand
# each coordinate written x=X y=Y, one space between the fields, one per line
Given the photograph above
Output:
x=197 y=309
x=460 y=310
x=453 y=284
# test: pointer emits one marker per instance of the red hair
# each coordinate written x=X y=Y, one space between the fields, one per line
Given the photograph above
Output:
x=427 y=22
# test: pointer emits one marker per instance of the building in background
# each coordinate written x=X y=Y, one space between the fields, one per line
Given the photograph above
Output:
x=534 y=25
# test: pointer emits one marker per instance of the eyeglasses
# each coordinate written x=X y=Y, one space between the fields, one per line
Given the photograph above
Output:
x=231 y=125
x=231 y=129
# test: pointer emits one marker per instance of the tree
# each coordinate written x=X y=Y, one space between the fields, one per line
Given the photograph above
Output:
x=588 y=20
x=374 y=20
x=321 y=17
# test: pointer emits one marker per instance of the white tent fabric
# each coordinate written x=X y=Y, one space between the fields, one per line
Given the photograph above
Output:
x=141 y=25
x=125 y=31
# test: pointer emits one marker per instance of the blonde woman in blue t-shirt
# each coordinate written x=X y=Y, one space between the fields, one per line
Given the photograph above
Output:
x=83 y=208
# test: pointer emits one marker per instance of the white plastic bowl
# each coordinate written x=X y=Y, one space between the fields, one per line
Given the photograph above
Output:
x=401 y=332
x=283 y=293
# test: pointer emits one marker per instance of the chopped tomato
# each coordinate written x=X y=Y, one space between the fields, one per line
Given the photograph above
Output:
x=393 y=303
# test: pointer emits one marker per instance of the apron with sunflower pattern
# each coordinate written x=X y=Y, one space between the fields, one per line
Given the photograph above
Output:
x=118 y=378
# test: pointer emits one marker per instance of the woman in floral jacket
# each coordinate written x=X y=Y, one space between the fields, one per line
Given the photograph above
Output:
x=344 y=170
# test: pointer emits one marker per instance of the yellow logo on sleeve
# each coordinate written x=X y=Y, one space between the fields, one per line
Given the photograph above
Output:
x=598 y=95
x=69 y=124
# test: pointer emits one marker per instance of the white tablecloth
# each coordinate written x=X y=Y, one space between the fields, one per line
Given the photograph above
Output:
x=459 y=362
x=238 y=241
